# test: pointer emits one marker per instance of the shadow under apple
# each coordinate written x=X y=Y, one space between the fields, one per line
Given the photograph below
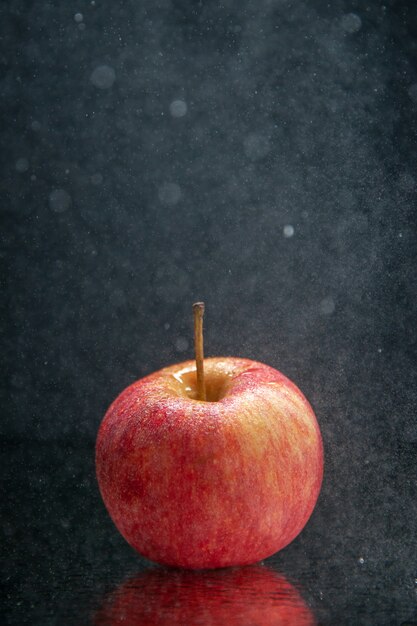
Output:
x=247 y=596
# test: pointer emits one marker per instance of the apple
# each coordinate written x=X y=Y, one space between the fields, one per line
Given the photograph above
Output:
x=235 y=596
x=205 y=484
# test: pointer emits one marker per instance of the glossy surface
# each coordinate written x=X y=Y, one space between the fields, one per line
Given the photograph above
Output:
x=65 y=564
x=237 y=597
x=210 y=484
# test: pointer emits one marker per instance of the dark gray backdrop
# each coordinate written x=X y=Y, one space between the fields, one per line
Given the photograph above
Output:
x=156 y=156
x=260 y=156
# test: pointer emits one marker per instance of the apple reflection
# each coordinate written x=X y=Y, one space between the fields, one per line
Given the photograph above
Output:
x=253 y=595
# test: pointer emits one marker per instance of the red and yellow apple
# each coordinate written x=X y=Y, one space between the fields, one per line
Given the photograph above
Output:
x=232 y=597
x=205 y=484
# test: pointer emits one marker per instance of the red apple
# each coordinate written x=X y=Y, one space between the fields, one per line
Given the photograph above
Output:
x=236 y=597
x=204 y=484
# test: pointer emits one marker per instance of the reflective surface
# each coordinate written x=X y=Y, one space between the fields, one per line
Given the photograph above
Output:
x=238 y=597
x=67 y=564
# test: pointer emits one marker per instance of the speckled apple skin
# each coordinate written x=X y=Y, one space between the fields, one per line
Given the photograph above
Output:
x=210 y=484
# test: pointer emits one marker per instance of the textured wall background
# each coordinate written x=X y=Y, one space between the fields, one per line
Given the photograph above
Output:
x=259 y=156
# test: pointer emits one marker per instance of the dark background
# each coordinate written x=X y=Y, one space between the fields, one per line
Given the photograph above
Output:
x=257 y=155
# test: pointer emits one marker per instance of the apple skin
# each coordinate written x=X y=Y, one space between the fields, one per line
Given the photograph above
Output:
x=235 y=596
x=225 y=482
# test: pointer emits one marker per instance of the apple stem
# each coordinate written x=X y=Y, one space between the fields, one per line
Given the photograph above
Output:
x=198 y=312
